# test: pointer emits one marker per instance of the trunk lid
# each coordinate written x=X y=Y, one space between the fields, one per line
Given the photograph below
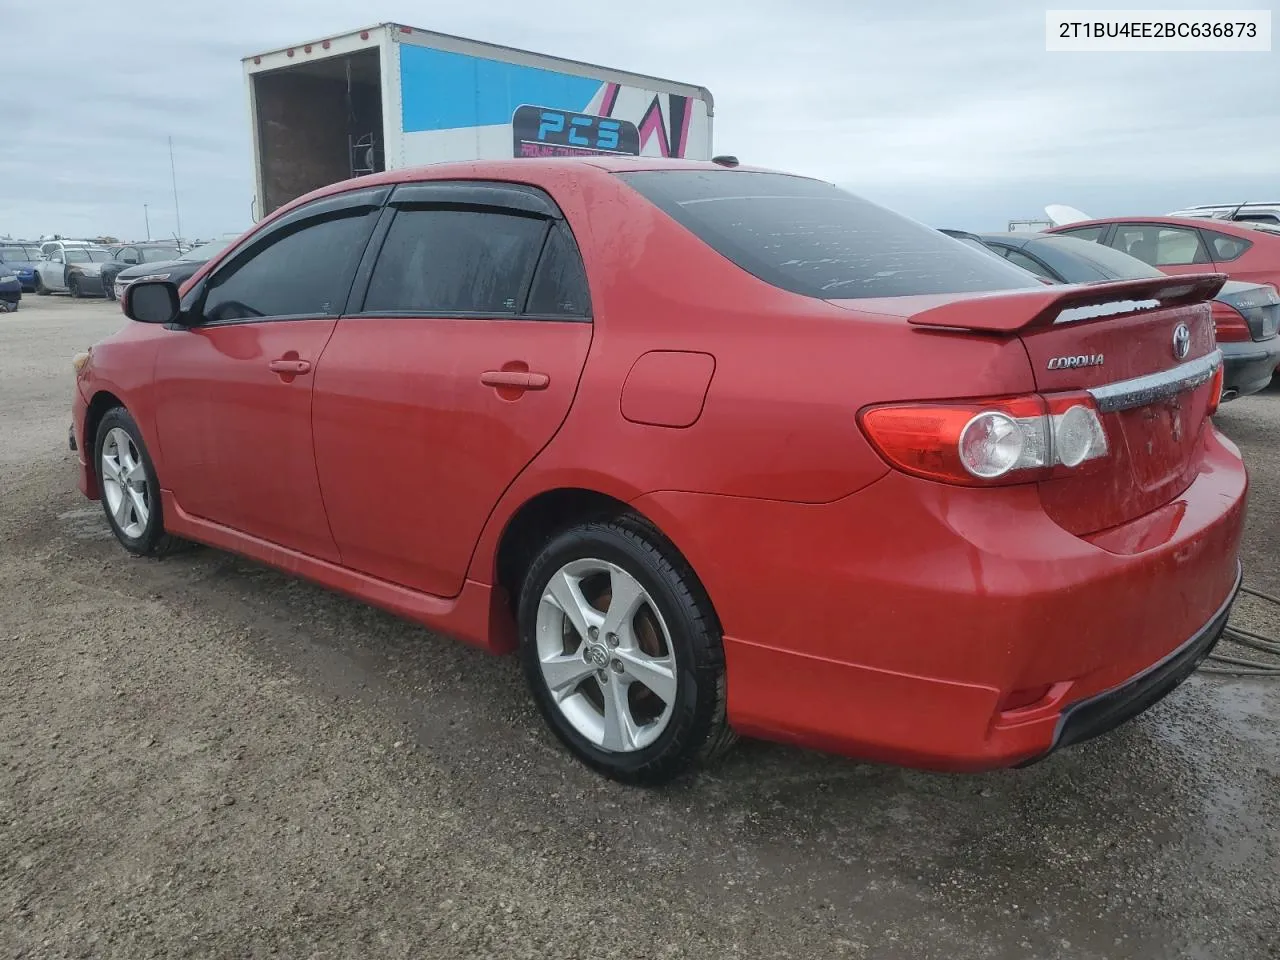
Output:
x=1144 y=350
x=1258 y=303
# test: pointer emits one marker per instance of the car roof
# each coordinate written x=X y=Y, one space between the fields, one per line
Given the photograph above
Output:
x=1233 y=227
x=515 y=170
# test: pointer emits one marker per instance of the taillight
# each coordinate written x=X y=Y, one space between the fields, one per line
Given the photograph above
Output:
x=1015 y=440
x=1229 y=324
x=1215 y=391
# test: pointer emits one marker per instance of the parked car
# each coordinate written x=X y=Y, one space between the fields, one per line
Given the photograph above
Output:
x=1246 y=316
x=717 y=450
x=10 y=291
x=132 y=255
x=177 y=270
x=1178 y=245
x=20 y=259
x=72 y=267
x=1251 y=212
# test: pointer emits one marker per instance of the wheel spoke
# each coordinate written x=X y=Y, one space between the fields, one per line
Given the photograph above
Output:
x=110 y=468
x=564 y=673
x=140 y=506
x=626 y=597
x=658 y=675
x=565 y=592
x=620 y=730
x=120 y=511
x=136 y=473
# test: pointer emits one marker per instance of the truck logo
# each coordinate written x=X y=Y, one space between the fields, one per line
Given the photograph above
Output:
x=544 y=132
x=1083 y=360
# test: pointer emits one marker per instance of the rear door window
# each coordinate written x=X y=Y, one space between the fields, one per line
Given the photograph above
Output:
x=817 y=240
x=1093 y=234
x=443 y=262
x=560 y=283
x=1159 y=245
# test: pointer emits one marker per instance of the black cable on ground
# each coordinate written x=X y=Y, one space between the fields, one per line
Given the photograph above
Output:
x=1240 y=666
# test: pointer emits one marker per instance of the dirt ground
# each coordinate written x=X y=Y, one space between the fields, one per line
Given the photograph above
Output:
x=200 y=757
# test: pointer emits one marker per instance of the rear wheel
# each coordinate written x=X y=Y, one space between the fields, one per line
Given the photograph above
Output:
x=127 y=485
x=622 y=653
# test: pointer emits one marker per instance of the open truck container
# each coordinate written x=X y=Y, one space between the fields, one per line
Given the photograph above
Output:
x=392 y=96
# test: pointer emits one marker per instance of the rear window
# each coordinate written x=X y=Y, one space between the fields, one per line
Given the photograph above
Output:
x=815 y=239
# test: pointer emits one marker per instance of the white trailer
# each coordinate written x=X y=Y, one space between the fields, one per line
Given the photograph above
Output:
x=392 y=96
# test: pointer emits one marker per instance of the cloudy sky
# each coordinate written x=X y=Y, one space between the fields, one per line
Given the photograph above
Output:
x=949 y=111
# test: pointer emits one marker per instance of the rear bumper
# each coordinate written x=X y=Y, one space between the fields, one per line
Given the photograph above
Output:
x=1092 y=717
x=1248 y=367
x=952 y=628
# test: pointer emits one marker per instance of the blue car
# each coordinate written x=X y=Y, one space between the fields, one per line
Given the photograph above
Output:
x=19 y=259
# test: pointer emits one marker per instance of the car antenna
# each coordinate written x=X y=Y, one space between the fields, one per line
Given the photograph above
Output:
x=1232 y=216
x=725 y=160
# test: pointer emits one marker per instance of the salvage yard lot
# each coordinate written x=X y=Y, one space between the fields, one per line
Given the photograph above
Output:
x=202 y=757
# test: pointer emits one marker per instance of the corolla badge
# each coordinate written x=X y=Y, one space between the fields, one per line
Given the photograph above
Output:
x=1083 y=360
x=1181 y=341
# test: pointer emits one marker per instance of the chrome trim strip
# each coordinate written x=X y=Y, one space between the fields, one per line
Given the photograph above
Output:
x=1127 y=394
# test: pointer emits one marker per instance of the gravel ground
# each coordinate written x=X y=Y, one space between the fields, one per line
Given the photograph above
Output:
x=201 y=757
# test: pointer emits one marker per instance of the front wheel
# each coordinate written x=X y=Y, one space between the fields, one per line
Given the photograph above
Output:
x=41 y=289
x=109 y=289
x=622 y=653
x=127 y=485
x=73 y=287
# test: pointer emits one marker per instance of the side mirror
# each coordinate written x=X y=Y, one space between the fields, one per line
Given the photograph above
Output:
x=151 y=301
x=132 y=260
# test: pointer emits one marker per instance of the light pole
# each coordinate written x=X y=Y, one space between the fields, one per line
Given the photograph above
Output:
x=173 y=172
x=147 y=217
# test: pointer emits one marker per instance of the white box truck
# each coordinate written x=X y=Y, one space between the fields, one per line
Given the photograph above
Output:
x=392 y=96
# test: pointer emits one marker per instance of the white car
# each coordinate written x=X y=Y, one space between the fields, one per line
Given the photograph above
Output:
x=71 y=266
x=1255 y=212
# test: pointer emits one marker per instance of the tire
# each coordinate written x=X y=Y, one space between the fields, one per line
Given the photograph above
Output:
x=41 y=289
x=73 y=288
x=140 y=535
x=668 y=734
x=109 y=289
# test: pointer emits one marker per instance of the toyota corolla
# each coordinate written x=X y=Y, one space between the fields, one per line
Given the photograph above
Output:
x=715 y=450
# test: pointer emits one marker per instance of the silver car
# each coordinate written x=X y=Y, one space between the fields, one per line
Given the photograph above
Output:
x=71 y=266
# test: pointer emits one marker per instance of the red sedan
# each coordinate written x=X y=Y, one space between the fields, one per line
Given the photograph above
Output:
x=716 y=450
x=1180 y=245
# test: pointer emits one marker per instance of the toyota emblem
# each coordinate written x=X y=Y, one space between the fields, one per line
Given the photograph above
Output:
x=1181 y=341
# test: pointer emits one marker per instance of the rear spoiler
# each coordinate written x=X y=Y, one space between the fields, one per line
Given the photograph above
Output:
x=1023 y=309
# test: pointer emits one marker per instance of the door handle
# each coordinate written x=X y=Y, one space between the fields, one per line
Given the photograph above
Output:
x=517 y=379
x=294 y=367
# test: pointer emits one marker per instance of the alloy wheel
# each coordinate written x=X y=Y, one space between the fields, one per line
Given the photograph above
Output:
x=606 y=655
x=125 y=483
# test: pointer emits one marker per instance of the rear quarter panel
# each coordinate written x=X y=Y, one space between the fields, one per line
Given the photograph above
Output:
x=779 y=421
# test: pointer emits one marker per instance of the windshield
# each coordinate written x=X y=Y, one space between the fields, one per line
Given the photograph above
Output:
x=206 y=251
x=1113 y=263
x=10 y=254
x=98 y=255
x=817 y=240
